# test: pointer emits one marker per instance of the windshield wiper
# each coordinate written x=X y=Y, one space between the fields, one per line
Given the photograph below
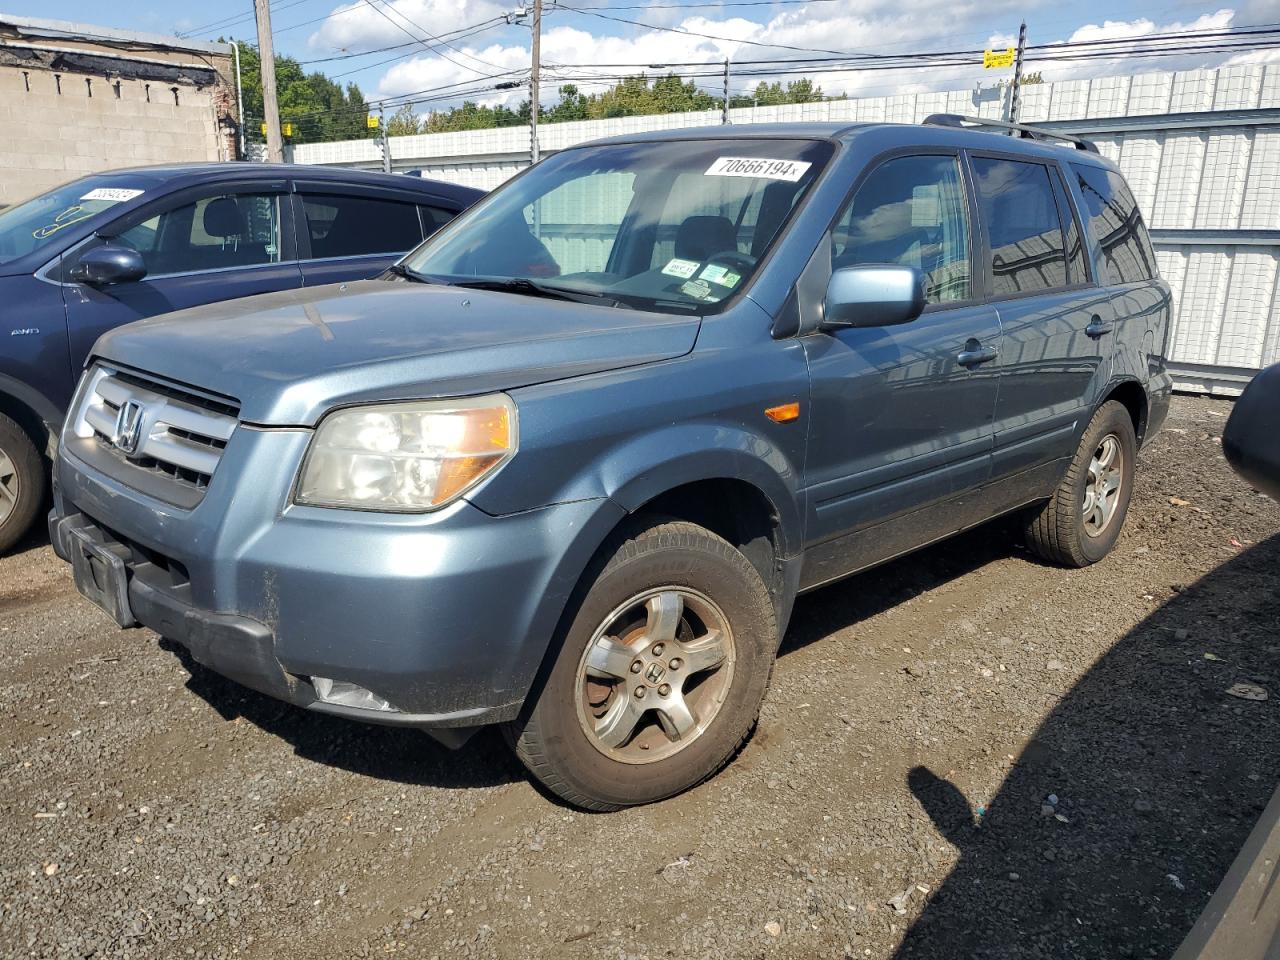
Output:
x=400 y=270
x=536 y=288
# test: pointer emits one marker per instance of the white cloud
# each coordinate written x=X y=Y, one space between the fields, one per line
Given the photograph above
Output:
x=876 y=27
x=360 y=26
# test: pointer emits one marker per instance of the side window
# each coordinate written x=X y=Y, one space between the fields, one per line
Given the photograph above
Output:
x=911 y=211
x=433 y=218
x=1028 y=250
x=232 y=230
x=355 y=226
x=1117 y=226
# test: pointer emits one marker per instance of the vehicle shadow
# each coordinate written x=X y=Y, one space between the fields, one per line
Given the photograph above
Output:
x=829 y=609
x=1158 y=775
x=394 y=754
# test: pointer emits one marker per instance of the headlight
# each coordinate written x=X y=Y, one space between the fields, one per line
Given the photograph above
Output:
x=406 y=457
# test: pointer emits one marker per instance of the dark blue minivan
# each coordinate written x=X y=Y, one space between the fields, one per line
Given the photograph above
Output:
x=115 y=247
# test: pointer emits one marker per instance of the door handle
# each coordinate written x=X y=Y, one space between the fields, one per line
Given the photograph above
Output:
x=973 y=354
x=1098 y=327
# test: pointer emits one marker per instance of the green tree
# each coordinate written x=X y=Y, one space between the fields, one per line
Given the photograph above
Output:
x=317 y=108
x=404 y=122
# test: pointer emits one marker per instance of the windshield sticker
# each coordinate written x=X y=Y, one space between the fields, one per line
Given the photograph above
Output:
x=684 y=269
x=68 y=217
x=721 y=275
x=112 y=194
x=698 y=289
x=789 y=170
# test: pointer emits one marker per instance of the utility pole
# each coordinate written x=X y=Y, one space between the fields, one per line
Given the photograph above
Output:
x=534 y=77
x=386 y=142
x=724 y=117
x=270 y=108
x=1017 y=75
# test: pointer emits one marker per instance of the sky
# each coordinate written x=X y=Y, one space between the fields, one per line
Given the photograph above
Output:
x=344 y=40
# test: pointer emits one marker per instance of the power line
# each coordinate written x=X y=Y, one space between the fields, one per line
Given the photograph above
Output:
x=235 y=19
x=377 y=9
x=556 y=5
x=459 y=34
x=1148 y=47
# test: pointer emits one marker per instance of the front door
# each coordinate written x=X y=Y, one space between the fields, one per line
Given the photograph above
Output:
x=224 y=244
x=901 y=415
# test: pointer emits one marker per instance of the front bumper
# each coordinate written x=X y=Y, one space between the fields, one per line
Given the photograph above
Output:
x=445 y=616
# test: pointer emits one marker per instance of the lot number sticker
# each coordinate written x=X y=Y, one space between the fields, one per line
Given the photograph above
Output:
x=789 y=170
x=112 y=194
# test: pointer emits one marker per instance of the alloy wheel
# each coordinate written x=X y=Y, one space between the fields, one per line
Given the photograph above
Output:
x=1102 y=487
x=654 y=675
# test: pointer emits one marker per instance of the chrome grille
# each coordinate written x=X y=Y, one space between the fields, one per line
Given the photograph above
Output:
x=175 y=436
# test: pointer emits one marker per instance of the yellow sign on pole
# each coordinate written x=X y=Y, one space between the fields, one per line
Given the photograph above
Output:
x=371 y=122
x=285 y=128
x=994 y=59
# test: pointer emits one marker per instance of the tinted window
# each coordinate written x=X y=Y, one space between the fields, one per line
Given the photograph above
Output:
x=354 y=226
x=433 y=218
x=910 y=211
x=1077 y=272
x=1028 y=252
x=1117 y=226
x=236 y=230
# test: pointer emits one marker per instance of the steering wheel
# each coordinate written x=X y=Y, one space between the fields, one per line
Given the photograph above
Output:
x=743 y=263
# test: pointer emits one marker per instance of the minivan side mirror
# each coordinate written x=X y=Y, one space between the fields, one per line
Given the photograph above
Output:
x=873 y=295
x=108 y=264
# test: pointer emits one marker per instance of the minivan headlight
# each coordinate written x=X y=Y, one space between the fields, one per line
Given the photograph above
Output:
x=406 y=457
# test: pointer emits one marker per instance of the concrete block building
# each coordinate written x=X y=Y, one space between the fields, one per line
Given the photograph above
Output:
x=77 y=99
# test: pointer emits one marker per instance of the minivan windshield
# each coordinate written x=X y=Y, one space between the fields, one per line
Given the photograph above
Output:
x=38 y=222
x=675 y=226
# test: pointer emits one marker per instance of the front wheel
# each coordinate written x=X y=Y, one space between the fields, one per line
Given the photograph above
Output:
x=1081 y=522
x=661 y=674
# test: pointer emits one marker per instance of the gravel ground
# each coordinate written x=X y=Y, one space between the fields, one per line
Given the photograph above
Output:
x=964 y=754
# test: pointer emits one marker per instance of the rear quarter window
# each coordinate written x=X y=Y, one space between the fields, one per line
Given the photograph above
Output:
x=1116 y=224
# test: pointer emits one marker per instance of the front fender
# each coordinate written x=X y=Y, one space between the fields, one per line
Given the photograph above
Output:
x=652 y=464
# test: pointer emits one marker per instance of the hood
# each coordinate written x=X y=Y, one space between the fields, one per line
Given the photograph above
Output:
x=289 y=357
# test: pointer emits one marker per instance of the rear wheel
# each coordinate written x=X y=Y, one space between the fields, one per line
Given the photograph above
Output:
x=1082 y=520
x=22 y=482
x=661 y=674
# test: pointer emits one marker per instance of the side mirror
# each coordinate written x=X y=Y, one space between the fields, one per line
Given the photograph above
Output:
x=108 y=264
x=873 y=295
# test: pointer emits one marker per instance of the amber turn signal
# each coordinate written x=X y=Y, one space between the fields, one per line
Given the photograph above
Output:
x=783 y=413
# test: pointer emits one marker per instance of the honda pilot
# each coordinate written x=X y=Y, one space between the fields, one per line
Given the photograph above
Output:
x=567 y=466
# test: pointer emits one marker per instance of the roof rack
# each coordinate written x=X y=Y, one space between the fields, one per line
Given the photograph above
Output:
x=1020 y=129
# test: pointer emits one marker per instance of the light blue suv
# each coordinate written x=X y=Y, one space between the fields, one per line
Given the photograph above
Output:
x=568 y=466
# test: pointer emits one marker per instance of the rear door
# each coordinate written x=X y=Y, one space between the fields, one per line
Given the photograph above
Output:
x=354 y=232
x=1052 y=312
x=1126 y=264
x=200 y=246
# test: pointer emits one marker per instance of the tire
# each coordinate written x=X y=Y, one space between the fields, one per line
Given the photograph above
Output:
x=623 y=618
x=22 y=483
x=1067 y=529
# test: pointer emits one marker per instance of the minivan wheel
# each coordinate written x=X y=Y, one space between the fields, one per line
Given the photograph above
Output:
x=21 y=482
x=661 y=674
x=1081 y=522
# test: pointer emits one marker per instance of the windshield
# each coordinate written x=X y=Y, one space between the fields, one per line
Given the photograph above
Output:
x=676 y=226
x=37 y=222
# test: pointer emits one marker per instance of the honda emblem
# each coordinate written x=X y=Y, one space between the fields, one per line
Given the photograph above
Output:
x=128 y=427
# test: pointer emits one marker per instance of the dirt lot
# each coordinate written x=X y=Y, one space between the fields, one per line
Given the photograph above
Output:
x=921 y=718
